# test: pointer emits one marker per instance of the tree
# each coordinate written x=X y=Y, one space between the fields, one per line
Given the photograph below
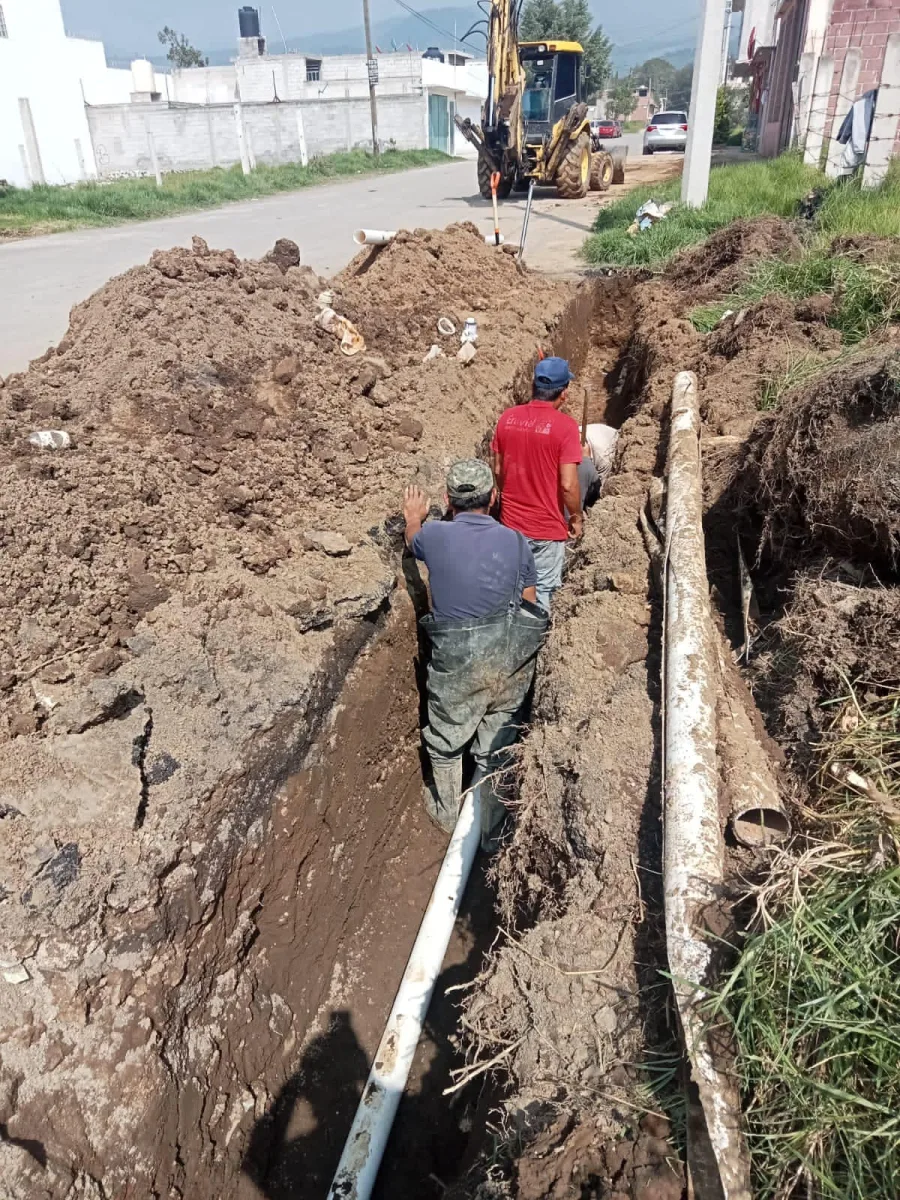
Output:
x=539 y=20
x=570 y=20
x=722 y=127
x=620 y=98
x=181 y=53
x=657 y=74
x=680 y=89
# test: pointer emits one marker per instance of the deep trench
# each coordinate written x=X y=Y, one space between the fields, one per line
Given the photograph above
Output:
x=345 y=878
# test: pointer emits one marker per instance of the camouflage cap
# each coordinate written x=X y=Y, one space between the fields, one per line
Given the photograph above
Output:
x=469 y=477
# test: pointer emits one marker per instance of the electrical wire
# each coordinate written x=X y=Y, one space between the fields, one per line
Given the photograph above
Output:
x=431 y=24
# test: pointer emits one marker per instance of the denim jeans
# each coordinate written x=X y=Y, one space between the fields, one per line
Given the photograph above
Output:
x=548 y=559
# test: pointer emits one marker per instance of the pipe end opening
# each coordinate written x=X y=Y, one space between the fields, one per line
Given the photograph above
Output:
x=761 y=827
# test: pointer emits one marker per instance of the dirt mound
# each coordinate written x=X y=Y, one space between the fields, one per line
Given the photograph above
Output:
x=184 y=589
x=828 y=475
x=867 y=248
x=398 y=292
x=715 y=267
x=838 y=625
x=576 y=1159
x=775 y=319
x=754 y=351
x=214 y=424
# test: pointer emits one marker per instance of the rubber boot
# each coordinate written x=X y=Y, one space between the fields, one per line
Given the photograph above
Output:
x=443 y=795
x=493 y=814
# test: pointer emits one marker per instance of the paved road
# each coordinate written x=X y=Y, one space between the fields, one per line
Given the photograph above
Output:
x=41 y=278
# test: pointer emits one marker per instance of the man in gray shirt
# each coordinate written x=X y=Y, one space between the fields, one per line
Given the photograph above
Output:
x=485 y=630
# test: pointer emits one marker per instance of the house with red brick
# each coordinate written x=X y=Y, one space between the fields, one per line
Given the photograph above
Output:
x=808 y=61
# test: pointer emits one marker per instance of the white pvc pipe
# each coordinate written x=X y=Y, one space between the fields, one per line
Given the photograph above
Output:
x=374 y=237
x=363 y=1151
x=693 y=858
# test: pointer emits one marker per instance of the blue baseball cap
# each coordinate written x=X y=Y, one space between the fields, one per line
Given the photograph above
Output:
x=552 y=373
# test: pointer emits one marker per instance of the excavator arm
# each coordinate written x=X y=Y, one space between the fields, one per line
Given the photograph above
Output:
x=500 y=137
x=534 y=122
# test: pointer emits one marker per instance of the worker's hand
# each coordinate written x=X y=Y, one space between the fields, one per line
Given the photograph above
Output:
x=415 y=504
x=576 y=525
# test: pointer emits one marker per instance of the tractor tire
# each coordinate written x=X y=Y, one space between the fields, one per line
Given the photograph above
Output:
x=485 y=170
x=574 y=174
x=601 y=171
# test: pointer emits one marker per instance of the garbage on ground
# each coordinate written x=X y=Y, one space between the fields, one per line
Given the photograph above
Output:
x=466 y=352
x=470 y=331
x=434 y=352
x=648 y=215
x=325 y=299
x=352 y=341
x=50 y=439
x=446 y=327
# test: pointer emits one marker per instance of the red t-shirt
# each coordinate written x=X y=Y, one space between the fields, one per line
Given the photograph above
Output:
x=534 y=439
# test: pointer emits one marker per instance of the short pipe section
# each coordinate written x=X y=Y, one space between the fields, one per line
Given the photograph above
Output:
x=358 y=1169
x=374 y=237
x=757 y=814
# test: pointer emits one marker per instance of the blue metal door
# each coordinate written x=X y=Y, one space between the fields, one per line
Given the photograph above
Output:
x=438 y=124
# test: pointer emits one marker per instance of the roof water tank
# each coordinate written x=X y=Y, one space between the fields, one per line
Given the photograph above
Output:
x=248 y=22
x=143 y=77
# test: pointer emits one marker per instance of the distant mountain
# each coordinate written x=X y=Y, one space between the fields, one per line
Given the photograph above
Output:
x=675 y=41
x=443 y=26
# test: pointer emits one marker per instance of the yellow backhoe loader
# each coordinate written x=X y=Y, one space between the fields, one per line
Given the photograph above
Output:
x=534 y=124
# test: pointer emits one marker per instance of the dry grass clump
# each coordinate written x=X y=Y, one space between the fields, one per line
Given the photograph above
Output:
x=814 y=997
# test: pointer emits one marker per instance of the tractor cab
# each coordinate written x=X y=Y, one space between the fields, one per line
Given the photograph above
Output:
x=553 y=83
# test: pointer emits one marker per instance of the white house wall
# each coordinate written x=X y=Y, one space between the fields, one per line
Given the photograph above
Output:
x=199 y=137
x=38 y=63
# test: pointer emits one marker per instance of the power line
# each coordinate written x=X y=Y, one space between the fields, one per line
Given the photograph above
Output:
x=427 y=21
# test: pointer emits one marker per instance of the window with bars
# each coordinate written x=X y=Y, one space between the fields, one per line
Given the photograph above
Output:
x=4 y=32
x=313 y=70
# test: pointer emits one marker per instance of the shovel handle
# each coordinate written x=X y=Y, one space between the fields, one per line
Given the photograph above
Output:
x=495 y=183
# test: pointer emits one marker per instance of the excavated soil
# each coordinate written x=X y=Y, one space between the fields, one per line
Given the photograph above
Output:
x=716 y=266
x=185 y=589
x=213 y=858
x=573 y=999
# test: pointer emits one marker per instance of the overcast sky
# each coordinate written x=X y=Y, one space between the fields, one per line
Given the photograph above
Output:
x=213 y=23
x=132 y=25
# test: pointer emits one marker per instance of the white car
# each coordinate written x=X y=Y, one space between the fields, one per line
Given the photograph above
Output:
x=666 y=131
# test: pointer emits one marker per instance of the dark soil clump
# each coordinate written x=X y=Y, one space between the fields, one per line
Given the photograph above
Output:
x=716 y=266
x=829 y=474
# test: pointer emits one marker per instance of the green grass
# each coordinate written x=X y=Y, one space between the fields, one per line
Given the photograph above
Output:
x=738 y=190
x=849 y=210
x=773 y=187
x=814 y=998
x=800 y=370
x=867 y=295
x=47 y=209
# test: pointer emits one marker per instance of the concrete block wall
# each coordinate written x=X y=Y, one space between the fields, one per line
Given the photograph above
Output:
x=863 y=25
x=196 y=138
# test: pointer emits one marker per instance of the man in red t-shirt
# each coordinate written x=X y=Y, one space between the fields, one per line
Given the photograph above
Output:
x=537 y=452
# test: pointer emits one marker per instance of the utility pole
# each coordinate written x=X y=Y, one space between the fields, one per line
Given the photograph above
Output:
x=372 y=68
x=702 y=117
x=726 y=39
